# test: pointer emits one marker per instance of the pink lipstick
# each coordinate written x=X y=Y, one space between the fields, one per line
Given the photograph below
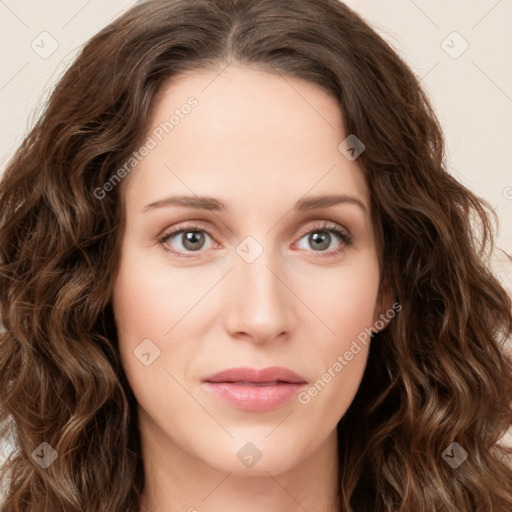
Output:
x=255 y=390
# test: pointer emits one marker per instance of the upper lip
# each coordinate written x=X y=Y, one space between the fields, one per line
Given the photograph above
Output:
x=246 y=374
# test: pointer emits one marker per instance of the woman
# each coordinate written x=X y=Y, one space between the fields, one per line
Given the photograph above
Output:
x=325 y=337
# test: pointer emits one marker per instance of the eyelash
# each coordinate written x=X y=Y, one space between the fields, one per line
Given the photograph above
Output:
x=345 y=237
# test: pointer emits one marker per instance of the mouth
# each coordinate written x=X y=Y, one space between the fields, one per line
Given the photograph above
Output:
x=255 y=390
x=262 y=384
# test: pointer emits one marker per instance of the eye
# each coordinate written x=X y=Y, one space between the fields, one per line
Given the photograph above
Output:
x=189 y=239
x=321 y=238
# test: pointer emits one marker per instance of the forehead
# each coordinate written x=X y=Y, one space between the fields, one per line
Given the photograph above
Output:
x=249 y=132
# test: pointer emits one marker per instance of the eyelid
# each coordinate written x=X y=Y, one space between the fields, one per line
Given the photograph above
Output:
x=324 y=225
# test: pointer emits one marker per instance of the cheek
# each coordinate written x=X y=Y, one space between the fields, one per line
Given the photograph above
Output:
x=149 y=299
x=345 y=300
x=345 y=303
x=138 y=309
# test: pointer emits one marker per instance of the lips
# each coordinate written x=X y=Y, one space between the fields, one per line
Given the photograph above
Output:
x=272 y=374
x=255 y=390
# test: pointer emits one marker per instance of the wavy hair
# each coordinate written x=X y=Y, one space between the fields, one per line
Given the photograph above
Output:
x=438 y=374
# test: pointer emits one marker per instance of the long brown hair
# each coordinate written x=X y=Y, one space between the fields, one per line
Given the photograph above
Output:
x=437 y=375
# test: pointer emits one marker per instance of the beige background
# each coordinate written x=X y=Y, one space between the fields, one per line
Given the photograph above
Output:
x=471 y=88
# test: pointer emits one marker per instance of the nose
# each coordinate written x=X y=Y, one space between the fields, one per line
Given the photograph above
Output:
x=261 y=305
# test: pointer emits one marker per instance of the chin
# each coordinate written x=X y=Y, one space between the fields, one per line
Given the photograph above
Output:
x=254 y=452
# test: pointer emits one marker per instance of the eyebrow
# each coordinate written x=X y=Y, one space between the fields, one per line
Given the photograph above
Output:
x=213 y=204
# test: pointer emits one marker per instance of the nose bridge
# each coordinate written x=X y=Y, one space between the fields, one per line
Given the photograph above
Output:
x=261 y=304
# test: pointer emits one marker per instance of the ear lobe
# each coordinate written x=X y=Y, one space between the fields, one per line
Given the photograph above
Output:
x=385 y=306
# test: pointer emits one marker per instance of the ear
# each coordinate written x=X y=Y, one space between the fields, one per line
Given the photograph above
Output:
x=385 y=306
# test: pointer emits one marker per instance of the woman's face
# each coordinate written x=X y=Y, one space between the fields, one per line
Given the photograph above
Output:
x=255 y=280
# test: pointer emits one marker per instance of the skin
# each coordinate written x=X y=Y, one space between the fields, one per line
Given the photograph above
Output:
x=258 y=142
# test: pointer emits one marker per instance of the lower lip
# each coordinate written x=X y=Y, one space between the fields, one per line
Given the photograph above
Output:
x=252 y=397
